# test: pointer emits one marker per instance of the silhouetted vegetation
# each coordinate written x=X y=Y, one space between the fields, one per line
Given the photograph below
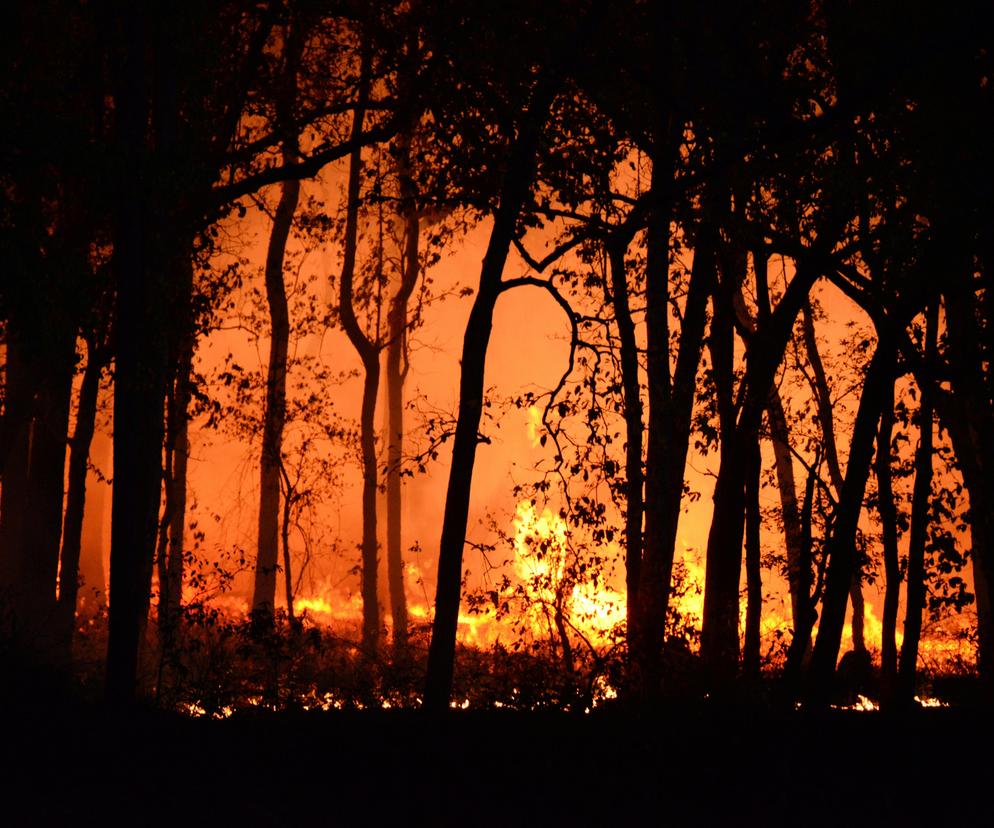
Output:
x=767 y=233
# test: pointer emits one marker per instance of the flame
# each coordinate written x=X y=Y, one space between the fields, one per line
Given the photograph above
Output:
x=535 y=426
x=542 y=555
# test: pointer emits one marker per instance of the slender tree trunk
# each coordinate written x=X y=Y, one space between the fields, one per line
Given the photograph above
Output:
x=274 y=417
x=826 y=419
x=169 y=549
x=892 y=568
x=632 y=402
x=779 y=433
x=369 y=352
x=841 y=548
x=72 y=525
x=517 y=184
x=91 y=558
x=918 y=531
x=797 y=576
x=668 y=440
x=720 y=638
x=800 y=644
x=287 y=567
x=754 y=572
x=181 y=456
x=395 y=374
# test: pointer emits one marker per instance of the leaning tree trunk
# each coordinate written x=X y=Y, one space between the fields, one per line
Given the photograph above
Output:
x=720 y=637
x=826 y=419
x=72 y=525
x=798 y=577
x=798 y=573
x=841 y=548
x=515 y=189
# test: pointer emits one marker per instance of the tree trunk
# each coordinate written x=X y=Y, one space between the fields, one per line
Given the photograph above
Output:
x=892 y=568
x=798 y=577
x=91 y=558
x=827 y=421
x=807 y=614
x=396 y=372
x=967 y=414
x=515 y=189
x=38 y=393
x=72 y=525
x=632 y=403
x=169 y=550
x=841 y=548
x=721 y=343
x=181 y=456
x=140 y=367
x=918 y=531
x=754 y=572
x=274 y=417
x=668 y=440
x=720 y=638
x=369 y=353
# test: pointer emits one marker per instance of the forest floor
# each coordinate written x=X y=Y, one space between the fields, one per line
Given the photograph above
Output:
x=709 y=765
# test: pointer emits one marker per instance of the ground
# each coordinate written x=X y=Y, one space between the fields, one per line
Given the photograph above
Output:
x=703 y=766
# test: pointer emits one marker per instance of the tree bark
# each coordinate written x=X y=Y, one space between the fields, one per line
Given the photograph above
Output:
x=720 y=638
x=72 y=525
x=169 y=549
x=369 y=354
x=181 y=456
x=754 y=571
x=841 y=548
x=918 y=530
x=634 y=428
x=798 y=577
x=38 y=392
x=274 y=417
x=140 y=365
x=967 y=414
x=668 y=440
x=515 y=189
x=396 y=372
x=826 y=419
x=892 y=570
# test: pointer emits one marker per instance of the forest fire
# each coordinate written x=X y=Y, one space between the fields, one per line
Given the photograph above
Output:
x=471 y=356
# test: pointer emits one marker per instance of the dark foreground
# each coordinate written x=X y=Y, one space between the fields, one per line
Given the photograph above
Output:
x=703 y=766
